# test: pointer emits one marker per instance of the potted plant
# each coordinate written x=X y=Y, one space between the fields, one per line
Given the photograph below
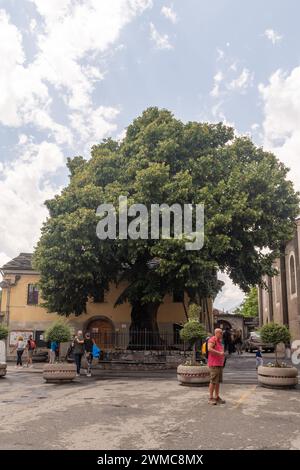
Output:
x=3 y=336
x=60 y=332
x=193 y=373
x=276 y=375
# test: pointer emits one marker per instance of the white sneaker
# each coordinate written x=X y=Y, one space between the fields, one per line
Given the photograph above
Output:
x=89 y=375
x=77 y=375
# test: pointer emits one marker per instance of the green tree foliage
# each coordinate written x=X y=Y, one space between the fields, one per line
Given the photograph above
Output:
x=59 y=331
x=193 y=330
x=3 y=331
x=249 y=205
x=273 y=333
x=249 y=306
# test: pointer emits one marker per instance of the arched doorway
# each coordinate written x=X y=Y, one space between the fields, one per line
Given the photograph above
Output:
x=224 y=324
x=103 y=331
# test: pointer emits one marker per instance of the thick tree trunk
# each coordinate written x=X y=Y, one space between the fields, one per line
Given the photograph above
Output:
x=144 y=331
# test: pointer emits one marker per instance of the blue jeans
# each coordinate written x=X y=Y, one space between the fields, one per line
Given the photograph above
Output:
x=78 y=362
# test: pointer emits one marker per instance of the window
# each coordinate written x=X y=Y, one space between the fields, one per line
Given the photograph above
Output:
x=178 y=296
x=32 y=294
x=292 y=275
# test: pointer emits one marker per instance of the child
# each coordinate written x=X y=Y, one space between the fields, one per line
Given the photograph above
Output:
x=258 y=357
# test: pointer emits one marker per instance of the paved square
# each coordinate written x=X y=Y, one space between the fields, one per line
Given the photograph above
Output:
x=144 y=411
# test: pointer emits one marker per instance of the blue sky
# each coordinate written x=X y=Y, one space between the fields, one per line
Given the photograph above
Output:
x=76 y=71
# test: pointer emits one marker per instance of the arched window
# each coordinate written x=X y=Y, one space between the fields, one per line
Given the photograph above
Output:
x=292 y=275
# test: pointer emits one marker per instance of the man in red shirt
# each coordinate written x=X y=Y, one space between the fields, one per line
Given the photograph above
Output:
x=216 y=358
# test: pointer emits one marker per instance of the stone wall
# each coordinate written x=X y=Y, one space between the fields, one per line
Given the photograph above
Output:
x=141 y=360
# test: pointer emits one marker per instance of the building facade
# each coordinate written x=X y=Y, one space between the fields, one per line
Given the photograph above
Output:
x=236 y=322
x=280 y=301
x=21 y=308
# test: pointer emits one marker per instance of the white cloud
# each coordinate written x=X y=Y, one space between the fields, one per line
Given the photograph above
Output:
x=255 y=126
x=121 y=136
x=24 y=186
x=161 y=40
x=72 y=35
x=218 y=78
x=230 y=296
x=24 y=97
x=32 y=25
x=69 y=37
x=281 y=125
x=242 y=82
x=170 y=14
x=22 y=139
x=93 y=124
x=75 y=30
x=272 y=36
x=220 y=54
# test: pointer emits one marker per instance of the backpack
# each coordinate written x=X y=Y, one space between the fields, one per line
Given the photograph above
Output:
x=204 y=349
x=32 y=344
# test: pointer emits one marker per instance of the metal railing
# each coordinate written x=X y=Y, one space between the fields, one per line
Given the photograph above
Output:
x=140 y=340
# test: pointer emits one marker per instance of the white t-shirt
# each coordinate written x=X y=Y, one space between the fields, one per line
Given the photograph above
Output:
x=20 y=345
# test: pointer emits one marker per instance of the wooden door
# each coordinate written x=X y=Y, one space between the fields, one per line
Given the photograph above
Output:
x=102 y=332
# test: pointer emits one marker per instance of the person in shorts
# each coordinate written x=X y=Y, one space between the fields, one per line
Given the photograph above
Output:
x=216 y=357
x=30 y=350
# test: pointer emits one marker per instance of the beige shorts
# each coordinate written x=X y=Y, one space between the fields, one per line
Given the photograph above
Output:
x=216 y=374
x=30 y=353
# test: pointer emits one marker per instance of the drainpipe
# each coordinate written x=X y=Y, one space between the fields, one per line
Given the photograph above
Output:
x=283 y=275
x=270 y=296
x=260 y=310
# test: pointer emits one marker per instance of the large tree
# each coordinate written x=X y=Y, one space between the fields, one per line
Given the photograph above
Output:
x=249 y=206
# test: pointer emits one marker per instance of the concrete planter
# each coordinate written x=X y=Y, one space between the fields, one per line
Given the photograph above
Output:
x=277 y=377
x=3 y=368
x=2 y=351
x=59 y=373
x=193 y=375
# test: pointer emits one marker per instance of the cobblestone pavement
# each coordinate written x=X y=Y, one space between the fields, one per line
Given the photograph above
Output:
x=146 y=410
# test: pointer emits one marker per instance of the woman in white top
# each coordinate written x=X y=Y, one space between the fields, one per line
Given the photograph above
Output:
x=20 y=347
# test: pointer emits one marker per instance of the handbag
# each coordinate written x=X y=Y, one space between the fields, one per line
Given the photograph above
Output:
x=96 y=351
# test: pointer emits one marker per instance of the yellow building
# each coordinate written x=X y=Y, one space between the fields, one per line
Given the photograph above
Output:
x=21 y=310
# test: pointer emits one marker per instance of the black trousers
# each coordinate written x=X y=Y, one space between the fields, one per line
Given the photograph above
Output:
x=19 y=357
x=78 y=362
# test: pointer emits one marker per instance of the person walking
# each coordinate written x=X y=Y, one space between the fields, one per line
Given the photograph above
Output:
x=20 y=348
x=238 y=342
x=78 y=351
x=57 y=352
x=216 y=358
x=53 y=348
x=31 y=346
x=258 y=358
x=226 y=339
x=88 y=349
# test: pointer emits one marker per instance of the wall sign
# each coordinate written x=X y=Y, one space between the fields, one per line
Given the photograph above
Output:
x=14 y=335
